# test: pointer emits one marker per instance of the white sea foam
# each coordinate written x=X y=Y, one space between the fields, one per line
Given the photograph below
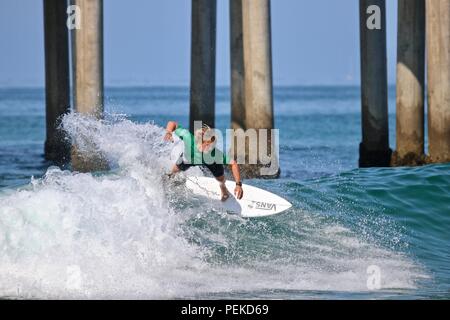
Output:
x=125 y=235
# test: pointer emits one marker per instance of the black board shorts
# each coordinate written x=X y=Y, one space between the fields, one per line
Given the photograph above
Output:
x=216 y=169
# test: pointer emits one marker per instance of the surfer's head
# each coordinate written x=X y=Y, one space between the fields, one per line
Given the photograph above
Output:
x=205 y=138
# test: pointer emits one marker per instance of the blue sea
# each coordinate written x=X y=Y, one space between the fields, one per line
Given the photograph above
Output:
x=380 y=233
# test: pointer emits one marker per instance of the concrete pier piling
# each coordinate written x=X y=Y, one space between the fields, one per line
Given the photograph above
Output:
x=57 y=78
x=87 y=45
x=258 y=64
x=257 y=73
x=87 y=54
x=238 y=120
x=410 y=83
x=438 y=46
x=203 y=62
x=237 y=66
x=374 y=148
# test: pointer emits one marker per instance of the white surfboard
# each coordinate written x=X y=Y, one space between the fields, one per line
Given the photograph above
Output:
x=255 y=202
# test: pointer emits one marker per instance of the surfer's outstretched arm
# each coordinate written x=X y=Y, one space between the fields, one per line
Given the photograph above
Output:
x=237 y=177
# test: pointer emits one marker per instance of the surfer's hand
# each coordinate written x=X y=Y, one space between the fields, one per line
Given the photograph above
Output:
x=168 y=136
x=238 y=192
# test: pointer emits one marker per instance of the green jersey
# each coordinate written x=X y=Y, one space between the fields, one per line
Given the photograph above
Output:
x=195 y=156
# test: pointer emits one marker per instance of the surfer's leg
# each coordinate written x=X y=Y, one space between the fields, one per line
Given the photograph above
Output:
x=173 y=172
x=175 y=169
x=179 y=166
x=218 y=173
x=223 y=188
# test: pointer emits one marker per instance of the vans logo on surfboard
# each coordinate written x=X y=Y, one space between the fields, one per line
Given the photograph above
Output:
x=263 y=206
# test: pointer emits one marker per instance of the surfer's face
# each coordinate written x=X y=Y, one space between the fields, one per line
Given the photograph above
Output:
x=206 y=145
x=205 y=140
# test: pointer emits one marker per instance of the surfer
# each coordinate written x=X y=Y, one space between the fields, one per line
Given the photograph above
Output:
x=199 y=146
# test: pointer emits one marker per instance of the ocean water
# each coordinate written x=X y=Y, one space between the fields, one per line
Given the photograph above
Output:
x=128 y=234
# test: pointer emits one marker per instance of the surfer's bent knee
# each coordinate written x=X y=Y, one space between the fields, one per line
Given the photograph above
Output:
x=181 y=165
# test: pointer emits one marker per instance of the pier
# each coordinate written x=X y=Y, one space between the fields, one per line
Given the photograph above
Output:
x=423 y=26
x=57 y=78
x=251 y=74
x=87 y=70
x=374 y=149
x=438 y=43
x=410 y=83
x=203 y=62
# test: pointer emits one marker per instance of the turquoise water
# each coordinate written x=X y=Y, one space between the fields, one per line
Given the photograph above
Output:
x=69 y=235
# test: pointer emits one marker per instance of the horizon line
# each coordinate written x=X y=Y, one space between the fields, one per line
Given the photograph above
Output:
x=153 y=86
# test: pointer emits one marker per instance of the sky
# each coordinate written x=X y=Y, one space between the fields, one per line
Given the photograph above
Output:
x=147 y=42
